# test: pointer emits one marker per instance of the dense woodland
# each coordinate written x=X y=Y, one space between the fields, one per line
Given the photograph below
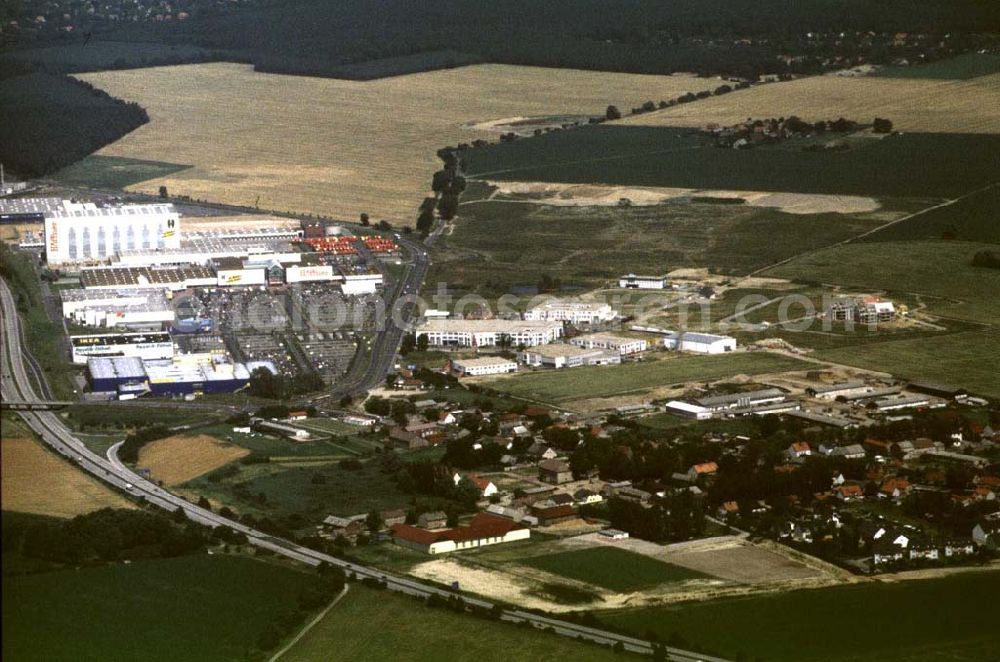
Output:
x=48 y=122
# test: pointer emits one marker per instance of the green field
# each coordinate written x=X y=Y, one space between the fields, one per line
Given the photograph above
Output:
x=910 y=165
x=605 y=381
x=480 y=256
x=963 y=67
x=114 y=172
x=952 y=619
x=612 y=568
x=377 y=625
x=191 y=608
x=973 y=218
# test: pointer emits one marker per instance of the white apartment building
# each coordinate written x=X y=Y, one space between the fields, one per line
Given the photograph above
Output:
x=484 y=365
x=574 y=312
x=633 y=282
x=488 y=333
x=85 y=233
x=622 y=345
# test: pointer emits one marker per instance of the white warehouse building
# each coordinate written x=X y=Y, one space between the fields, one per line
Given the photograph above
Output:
x=86 y=233
x=633 y=282
x=488 y=333
x=562 y=355
x=483 y=365
x=574 y=312
x=621 y=344
x=704 y=343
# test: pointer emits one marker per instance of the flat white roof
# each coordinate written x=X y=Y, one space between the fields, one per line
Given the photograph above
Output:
x=560 y=349
x=486 y=326
x=483 y=362
x=680 y=405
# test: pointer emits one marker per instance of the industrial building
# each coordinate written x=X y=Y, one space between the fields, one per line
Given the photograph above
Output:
x=485 y=365
x=741 y=400
x=113 y=308
x=171 y=278
x=23 y=211
x=621 y=344
x=78 y=233
x=146 y=346
x=574 y=312
x=116 y=374
x=688 y=410
x=704 y=343
x=196 y=373
x=310 y=271
x=232 y=271
x=202 y=251
x=562 y=355
x=488 y=333
x=840 y=389
x=633 y=282
x=360 y=284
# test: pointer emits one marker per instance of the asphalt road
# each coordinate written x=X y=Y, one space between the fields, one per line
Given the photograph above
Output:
x=16 y=385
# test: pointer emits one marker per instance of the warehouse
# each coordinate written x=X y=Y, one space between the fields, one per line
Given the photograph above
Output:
x=311 y=272
x=196 y=373
x=360 y=284
x=622 y=345
x=485 y=365
x=561 y=355
x=105 y=308
x=574 y=312
x=833 y=391
x=633 y=282
x=202 y=251
x=113 y=374
x=88 y=233
x=901 y=402
x=704 y=343
x=488 y=333
x=741 y=400
x=688 y=410
x=233 y=272
x=147 y=346
x=171 y=278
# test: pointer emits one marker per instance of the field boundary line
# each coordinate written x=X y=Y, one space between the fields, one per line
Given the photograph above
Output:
x=310 y=625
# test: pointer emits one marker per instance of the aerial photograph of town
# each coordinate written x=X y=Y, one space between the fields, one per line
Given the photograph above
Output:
x=465 y=330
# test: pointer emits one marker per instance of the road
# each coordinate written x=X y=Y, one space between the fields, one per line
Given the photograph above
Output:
x=16 y=385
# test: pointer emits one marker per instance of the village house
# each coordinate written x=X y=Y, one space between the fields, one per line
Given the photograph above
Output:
x=704 y=469
x=347 y=527
x=556 y=472
x=486 y=487
x=798 y=449
x=393 y=517
x=585 y=497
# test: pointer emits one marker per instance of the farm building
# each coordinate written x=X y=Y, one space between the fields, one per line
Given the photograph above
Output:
x=554 y=471
x=574 y=312
x=704 y=343
x=833 y=391
x=488 y=333
x=633 y=282
x=79 y=233
x=148 y=346
x=621 y=344
x=484 y=529
x=485 y=365
x=562 y=355
x=945 y=391
x=901 y=402
x=280 y=429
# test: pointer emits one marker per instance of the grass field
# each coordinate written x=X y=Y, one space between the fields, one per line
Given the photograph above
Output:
x=922 y=165
x=913 y=103
x=603 y=381
x=963 y=67
x=114 y=172
x=970 y=219
x=35 y=480
x=377 y=625
x=337 y=147
x=611 y=568
x=480 y=256
x=181 y=458
x=195 y=608
x=889 y=622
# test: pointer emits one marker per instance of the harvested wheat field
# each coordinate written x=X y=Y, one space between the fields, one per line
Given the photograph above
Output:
x=35 y=480
x=922 y=105
x=180 y=458
x=338 y=147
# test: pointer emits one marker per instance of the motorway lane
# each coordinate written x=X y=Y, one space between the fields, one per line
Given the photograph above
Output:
x=15 y=384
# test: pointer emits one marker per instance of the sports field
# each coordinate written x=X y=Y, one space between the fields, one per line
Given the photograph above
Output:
x=604 y=381
x=913 y=104
x=611 y=568
x=193 y=608
x=180 y=458
x=38 y=481
x=339 y=147
x=888 y=622
x=377 y=625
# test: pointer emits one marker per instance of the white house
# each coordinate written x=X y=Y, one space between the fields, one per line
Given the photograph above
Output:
x=622 y=345
x=483 y=365
x=704 y=343
x=633 y=282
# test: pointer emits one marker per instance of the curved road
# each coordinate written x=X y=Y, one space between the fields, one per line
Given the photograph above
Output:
x=16 y=385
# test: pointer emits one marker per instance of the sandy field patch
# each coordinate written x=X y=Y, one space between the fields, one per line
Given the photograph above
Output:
x=180 y=458
x=912 y=104
x=340 y=147
x=37 y=481
x=600 y=195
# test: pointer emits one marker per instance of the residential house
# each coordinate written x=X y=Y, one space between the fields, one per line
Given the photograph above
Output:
x=850 y=492
x=895 y=488
x=393 y=517
x=798 y=449
x=347 y=527
x=585 y=497
x=704 y=469
x=556 y=472
x=986 y=533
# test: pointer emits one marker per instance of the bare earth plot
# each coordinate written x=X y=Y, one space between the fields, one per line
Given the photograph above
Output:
x=338 y=147
x=36 y=481
x=945 y=106
x=181 y=458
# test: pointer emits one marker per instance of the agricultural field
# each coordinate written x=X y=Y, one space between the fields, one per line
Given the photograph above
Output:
x=912 y=165
x=198 y=608
x=478 y=254
x=891 y=621
x=564 y=385
x=972 y=218
x=612 y=568
x=376 y=625
x=38 y=481
x=913 y=104
x=963 y=67
x=181 y=458
x=337 y=147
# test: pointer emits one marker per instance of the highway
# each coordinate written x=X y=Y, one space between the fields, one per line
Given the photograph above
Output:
x=16 y=385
